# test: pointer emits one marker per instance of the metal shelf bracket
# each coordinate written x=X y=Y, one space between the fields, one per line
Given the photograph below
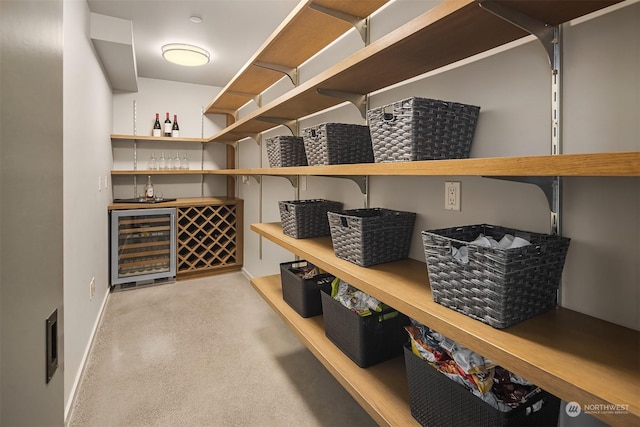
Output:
x=357 y=99
x=292 y=73
x=360 y=24
x=291 y=124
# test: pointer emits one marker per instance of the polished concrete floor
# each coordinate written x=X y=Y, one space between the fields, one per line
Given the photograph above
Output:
x=204 y=352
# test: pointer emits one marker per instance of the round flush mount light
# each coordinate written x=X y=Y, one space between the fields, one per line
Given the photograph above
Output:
x=195 y=19
x=185 y=54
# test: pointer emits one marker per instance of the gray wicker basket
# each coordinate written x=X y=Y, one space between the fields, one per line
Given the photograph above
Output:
x=499 y=287
x=337 y=143
x=371 y=236
x=422 y=129
x=303 y=219
x=286 y=150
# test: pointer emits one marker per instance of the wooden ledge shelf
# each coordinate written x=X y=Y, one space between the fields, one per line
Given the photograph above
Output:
x=380 y=389
x=592 y=164
x=115 y=137
x=573 y=356
x=301 y=35
x=185 y=201
x=160 y=172
x=449 y=32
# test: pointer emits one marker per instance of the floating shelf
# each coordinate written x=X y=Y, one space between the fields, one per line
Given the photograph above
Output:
x=133 y=138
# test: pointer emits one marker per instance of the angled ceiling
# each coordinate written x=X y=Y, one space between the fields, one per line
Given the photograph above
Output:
x=231 y=30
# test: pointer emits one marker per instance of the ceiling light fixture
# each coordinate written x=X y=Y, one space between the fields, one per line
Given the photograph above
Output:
x=185 y=54
x=195 y=19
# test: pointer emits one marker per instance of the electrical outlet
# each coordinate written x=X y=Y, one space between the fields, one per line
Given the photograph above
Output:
x=452 y=195
x=92 y=288
x=99 y=183
x=106 y=181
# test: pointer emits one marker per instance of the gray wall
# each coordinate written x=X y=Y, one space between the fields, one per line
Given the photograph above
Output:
x=31 y=223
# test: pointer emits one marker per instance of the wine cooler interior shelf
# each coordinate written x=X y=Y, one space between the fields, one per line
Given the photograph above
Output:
x=208 y=238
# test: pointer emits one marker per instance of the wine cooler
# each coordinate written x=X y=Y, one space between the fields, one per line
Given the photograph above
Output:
x=143 y=246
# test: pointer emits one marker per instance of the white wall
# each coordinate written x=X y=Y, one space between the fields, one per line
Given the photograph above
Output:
x=31 y=251
x=87 y=190
x=187 y=101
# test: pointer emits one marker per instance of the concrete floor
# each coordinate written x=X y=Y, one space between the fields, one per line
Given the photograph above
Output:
x=204 y=352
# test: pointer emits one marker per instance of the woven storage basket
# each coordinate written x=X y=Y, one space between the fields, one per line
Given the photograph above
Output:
x=499 y=287
x=436 y=400
x=284 y=151
x=367 y=340
x=303 y=219
x=303 y=295
x=337 y=143
x=371 y=236
x=422 y=129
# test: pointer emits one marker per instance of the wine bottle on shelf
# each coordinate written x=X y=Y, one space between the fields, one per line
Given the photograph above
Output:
x=167 y=126
x=149 y=192
x=175 y=129
x=157 y=129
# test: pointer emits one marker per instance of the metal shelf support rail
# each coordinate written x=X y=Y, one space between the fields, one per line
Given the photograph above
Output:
x=550 y=37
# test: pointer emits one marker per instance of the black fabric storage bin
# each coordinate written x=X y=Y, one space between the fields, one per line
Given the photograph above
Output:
x=337 y=143
x=437 y=401
x=302 y=219
x=285 y=150
x=303 y=295
x=371 y=236
x=499 y=287
x=422 y=129
x=367 y=340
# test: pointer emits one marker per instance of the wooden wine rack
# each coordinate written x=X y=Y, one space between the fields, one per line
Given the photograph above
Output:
x=208 y=239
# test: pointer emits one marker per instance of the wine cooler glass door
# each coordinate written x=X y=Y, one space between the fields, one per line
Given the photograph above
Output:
x=142 y=245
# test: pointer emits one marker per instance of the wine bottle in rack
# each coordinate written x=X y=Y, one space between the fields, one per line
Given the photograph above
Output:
x=157 y=129
x=167 y=126
x=175 y=129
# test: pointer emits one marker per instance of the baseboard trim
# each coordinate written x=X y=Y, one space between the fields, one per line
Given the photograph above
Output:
x=83 y=363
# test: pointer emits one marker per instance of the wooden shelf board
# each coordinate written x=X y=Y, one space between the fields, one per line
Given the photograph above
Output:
x=115 y=137
x=159 y=172
x=182 y=202
x=301 y=35
x=573 y=356
x=591 y=164
x=449 y=32
x=380 y=389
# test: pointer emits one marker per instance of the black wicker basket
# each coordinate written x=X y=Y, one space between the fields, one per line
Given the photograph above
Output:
x=437 y=401
x=303 y=219
x=285 y=150
x=499 y=287
x=337 y=143
x=303 y=295
x=371 y=236
x=367 y=340
x=422 y=129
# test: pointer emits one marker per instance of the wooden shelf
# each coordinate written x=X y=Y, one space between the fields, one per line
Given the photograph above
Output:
x=449 y=32
x=592 y=164
x=571 y=355
x=132 y=138
x=185 y=201
x=301 y=35
x=160 y=172
x=380 y=389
